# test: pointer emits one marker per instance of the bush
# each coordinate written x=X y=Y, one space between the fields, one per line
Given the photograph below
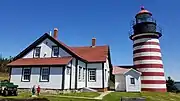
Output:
x=171 y=85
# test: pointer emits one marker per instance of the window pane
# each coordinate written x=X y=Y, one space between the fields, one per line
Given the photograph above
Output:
x=26 y=74
x=37 y=52
x=45 y=74
x=84 y=71
x=45 y=71
x=132 y=81
x=105 y=75
x=26 y=71
x=26 y=77
x=55 y=51
x=80 y=71
x=92 y=75
x=45 y=77
x=68 y=70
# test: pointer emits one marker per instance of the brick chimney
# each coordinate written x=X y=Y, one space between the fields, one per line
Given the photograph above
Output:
x=93 y=42
x=55 y=33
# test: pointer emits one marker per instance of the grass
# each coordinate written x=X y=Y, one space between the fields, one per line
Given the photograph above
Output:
x=20 y=96
x=114 y=96
x=83 y=94
x=4 y=76
x=57 y=97
x=150 y=96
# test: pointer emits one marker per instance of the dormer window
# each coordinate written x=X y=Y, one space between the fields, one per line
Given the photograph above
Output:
x=37 y=52
x=55 y=51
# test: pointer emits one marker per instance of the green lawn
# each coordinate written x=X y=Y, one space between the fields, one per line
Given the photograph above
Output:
x=150 y=96
x=53 y=97
x=59 y=98
x=114 y=96
x=84 y=94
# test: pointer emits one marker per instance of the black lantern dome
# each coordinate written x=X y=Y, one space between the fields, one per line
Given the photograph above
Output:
x=144 y=23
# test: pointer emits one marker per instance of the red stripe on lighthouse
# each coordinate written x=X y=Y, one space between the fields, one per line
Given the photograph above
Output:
x=152 y=74
x=149 y=66
x=146 y=50
x=153 y=81
x=147 y=58
x=154 y=89
x=145 y=43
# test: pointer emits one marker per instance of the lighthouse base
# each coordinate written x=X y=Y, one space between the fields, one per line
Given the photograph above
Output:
x=154 y=89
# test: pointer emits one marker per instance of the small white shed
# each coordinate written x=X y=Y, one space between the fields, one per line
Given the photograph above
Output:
x=127 y=79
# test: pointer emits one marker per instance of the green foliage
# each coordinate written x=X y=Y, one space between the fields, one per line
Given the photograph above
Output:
x=3 y=63
x=171 y=85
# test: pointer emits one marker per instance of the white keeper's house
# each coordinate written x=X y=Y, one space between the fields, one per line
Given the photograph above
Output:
x=53 y=65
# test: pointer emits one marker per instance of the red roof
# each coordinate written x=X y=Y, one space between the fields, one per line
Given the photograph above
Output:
x=40 y=61
x=143 y=11
x=123 y=69
x=92 y=54
x=86 y=53
x=119 y=70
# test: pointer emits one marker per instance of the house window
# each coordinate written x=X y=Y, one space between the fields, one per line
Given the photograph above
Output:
x=132 y=80
x=44 y=74
x=105 y=74
x=92 y=74
x=37 y=52
x=68 y=70
x=26 y=74
x=80 y=72
x=84 y=71
x=55 y=51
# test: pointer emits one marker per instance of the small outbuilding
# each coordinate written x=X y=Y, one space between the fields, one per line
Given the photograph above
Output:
x=127 y=79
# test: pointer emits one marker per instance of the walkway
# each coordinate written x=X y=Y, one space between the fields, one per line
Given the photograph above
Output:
x=100 y=97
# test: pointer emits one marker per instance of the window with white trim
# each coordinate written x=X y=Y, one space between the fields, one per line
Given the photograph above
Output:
x=132 y=80
x=105 y=75
x=80 y=72
x=37 y=52
x=44 y=74
x=92 y=75
x=55 y=51
x=26 y=74
x=68 y=70
x=84 y=73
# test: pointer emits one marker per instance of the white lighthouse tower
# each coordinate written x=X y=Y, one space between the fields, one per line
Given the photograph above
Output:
x=147 y=53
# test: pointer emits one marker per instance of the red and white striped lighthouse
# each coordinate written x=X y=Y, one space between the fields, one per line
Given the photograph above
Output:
x=147 y=53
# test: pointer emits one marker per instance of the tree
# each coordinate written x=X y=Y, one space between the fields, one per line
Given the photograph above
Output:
x=3 y=63
x=171 y=85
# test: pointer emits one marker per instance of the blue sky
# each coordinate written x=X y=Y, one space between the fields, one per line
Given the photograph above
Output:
x=23 y=21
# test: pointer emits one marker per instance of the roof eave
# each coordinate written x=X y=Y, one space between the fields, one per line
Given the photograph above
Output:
x=50 y=65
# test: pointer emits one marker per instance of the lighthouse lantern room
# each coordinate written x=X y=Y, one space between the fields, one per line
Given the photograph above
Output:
x=147 y=53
